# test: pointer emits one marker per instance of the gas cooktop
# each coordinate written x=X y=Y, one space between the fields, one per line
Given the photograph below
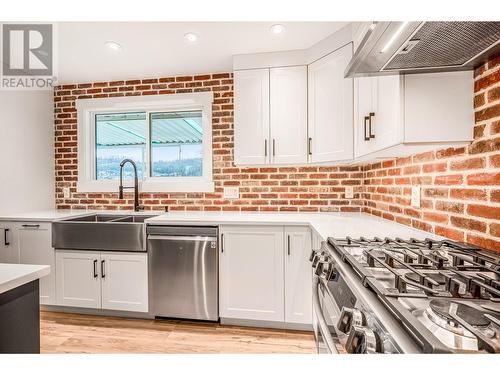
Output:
x=446 y=294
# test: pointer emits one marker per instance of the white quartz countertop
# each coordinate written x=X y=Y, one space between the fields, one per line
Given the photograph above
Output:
x=339 y=224
x=335 y=224
x=14 y=275
x=55 y=215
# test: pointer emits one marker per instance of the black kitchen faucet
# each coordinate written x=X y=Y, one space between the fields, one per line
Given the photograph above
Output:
x=135 y=187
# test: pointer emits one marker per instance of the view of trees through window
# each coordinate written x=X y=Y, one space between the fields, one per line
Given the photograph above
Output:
x=176 y=148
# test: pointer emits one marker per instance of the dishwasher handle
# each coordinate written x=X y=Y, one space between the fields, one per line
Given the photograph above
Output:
x=181 y=238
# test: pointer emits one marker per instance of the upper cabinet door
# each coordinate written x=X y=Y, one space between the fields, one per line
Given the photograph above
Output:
x=251 y=117
x=331 y=108
x=288 y=88
x=387 y=119
x=377 y=113
x=35 y=247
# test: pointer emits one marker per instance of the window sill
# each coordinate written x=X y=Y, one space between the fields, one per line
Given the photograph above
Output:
x=187 y=185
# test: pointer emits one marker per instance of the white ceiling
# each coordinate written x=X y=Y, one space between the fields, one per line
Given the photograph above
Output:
x=160 y=49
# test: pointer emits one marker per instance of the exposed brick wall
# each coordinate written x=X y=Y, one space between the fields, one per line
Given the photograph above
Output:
x=460 y=187
x=294 y=188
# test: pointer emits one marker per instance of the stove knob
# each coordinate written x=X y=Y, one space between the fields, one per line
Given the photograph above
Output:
x=331 y=272
x=319 y=257
x=363 y=340
x=313 y=255
x=321 y=269
x=350 y=318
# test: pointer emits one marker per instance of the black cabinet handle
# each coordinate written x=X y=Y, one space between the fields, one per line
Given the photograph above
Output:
x=274 y=147
x=102 y=269
x=288 y=239
x=5 y=231
x=372 y=114
x=222 y=243
x=309 y=146
x=265 y=148
x=95 y=268
x=367 y=135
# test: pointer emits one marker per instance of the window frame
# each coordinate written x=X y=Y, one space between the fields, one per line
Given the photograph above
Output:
x=87 y=109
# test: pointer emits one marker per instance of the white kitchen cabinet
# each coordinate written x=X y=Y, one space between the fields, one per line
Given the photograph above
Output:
x=251 y=277
x=401 y=115
x=107 y=280
x=288 y=115
x=9 y=251
x=378 y=113
x=77 y=278
x=124 y=278
x=251 y=116
x=330 y=108
x=35 y=247
x=298 y=277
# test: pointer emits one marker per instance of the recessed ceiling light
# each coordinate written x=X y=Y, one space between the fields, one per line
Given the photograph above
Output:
x=113 y=45
x=190 y=37
x=277 y=29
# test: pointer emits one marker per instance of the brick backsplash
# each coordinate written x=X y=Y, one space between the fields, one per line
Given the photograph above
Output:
x=292 y=188
x=460 y=186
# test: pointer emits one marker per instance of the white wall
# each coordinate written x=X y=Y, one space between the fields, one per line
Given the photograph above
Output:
x=26 y=151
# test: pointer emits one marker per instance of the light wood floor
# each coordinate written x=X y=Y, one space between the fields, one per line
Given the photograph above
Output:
x=75 y=333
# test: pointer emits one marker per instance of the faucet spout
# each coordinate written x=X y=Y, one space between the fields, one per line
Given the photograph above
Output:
x=136 y=183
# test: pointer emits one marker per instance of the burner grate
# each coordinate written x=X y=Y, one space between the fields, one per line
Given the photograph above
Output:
x=427 y=267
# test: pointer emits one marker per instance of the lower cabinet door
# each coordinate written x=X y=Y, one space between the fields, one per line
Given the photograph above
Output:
x=78 y=281
x=9 y=251
x=251 y=273
x=298 y=276
x=124 y=281
x=35 y=247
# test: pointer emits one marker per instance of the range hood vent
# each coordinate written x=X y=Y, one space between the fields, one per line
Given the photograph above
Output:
x=418 y=47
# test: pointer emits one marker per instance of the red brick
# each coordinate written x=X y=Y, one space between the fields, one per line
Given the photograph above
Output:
x=455 y=179
x=436 y=167
x=479 y=100
x=479 y=131
x=487 y=81
x=488 y=113
x=484 y=242
x=474 y=163
x=495 y=196
x=469 y=224
x=489 y=212
x=435 y=217
x=449 y=206
x=495 y=160
x=484 y=179
x=426 y=156
x=495 y=229
x=453 y=234
x=494 y=94
x=449 y=152
x=468 y=194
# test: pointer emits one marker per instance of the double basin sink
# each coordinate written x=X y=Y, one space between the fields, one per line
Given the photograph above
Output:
x=107 y=232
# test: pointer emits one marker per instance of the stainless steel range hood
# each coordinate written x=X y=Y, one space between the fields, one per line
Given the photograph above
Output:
x=420 y=47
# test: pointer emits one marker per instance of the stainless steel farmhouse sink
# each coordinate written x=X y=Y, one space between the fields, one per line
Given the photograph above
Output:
x=109 y=232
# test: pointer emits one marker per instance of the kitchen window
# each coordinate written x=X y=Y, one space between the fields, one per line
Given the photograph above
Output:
x=169 y=137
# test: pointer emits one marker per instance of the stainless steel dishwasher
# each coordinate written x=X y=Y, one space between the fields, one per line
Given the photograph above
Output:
x=183 y=263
